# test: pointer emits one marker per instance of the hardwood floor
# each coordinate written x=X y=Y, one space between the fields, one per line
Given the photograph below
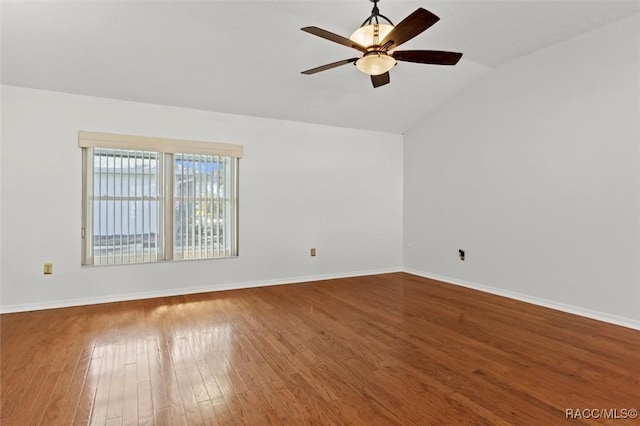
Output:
x=385 y=349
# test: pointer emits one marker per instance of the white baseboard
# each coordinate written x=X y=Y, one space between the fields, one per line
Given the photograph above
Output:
x=65 y=303
x=576 y=310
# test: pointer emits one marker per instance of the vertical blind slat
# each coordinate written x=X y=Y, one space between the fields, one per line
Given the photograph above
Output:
x=227 y=205
x=99 y=201
x=210 y=240
x=143 y=206
x=217 y=201
x=207 y=198
x=121 y=157
x=184 y=231
x=135 y=206
x=199 y=212
x=156 y=239
x=112 y=206
x=128 y=204
x=192 y=251
x=214 y=189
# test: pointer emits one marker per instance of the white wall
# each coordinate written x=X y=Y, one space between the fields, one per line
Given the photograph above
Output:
x=535 y=172
x=301 y=186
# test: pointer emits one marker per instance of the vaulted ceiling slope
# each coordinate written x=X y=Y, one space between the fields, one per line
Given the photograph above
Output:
x=244 y=57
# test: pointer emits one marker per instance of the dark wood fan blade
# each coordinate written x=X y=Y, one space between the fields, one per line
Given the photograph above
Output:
x=409 y=27
x=329 y=66
x=434 y=57
x=380 y=80
x=334 y=38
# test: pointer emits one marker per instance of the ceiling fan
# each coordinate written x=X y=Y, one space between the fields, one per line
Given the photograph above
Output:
x=376 y=41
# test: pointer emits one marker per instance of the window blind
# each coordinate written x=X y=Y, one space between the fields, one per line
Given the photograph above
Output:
x=148 y=199
x=124 y=203
x=203 y=209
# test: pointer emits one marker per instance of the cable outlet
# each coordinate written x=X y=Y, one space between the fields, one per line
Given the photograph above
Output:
x=48 y=268
x=313 y=252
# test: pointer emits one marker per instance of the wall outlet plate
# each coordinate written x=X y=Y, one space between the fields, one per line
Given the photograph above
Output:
x=48 y=268
x=313 y=252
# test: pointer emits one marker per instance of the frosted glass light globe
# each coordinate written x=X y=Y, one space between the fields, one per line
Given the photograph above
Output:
x=375 y=63
x=365 y=35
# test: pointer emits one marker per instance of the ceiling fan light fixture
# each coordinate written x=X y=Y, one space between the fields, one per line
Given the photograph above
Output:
x=378 y=42
x=369 y=35
x=375 y=63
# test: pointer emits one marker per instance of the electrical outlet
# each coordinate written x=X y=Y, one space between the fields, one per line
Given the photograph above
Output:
x=48 y=268
x=461 y=254
x=313 y=252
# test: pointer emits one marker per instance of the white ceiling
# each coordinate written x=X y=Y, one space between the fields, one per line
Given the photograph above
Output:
x=245 y=57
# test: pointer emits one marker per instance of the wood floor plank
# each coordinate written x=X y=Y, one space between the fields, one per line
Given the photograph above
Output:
x=81 y=398
x=34 y=405
x=144 y=400
x=157 y=370
x=383 y=349
x=208 y=413
x=64 y=386
x=130 y=395
x=116 y=395
x=99 y=409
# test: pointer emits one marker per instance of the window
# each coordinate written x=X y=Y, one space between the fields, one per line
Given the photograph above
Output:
x=151 y=199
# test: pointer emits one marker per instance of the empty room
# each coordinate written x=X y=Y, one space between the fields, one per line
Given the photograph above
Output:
x=351 y=212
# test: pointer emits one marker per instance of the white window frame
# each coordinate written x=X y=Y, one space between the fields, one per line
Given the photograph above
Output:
x=165 y=148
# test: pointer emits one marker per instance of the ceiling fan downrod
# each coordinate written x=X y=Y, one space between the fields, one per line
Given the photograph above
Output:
x=375 y=14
